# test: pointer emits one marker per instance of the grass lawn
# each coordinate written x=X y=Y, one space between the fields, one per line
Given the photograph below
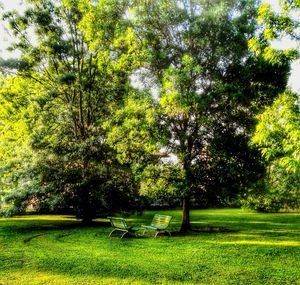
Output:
x=231 y=247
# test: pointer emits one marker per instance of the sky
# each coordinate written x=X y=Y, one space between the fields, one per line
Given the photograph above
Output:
x=5 y=39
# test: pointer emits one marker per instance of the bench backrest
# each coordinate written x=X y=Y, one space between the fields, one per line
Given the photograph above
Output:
x=161 y=221
x=118 y=223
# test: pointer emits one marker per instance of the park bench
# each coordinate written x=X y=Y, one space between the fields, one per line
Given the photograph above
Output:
x=159 y=224
x=119 y=224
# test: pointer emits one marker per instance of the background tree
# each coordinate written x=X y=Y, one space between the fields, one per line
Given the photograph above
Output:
x=278 y=136
x=277 y=131
x=15 y=151
x=77 y=85
x=210 y=88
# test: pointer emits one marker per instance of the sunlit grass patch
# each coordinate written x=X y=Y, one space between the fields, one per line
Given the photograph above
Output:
x=257 y=242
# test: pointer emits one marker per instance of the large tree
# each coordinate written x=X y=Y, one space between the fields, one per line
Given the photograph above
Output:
x=78 y=55
x=210 y=86
x=277 y=132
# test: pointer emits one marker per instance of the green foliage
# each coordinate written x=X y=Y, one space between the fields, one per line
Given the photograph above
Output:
x=163 y=181
x=231 y=169
x=278 y=137
x=277 y=26
x=278 y=134
x=284 y=23
x=74 y=87
x=133 y=129
x=16 y=156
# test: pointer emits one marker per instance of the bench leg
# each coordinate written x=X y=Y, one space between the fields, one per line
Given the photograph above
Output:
x=111 y=232
x=124 y=234
x=164 y=231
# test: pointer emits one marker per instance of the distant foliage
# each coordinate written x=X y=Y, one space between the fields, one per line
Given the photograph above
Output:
x=278 y=137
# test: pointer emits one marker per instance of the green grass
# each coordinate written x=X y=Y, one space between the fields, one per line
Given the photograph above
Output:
x=231 y=247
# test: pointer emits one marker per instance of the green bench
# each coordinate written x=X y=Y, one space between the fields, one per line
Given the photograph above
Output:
x=159 y=224
x=119 y=224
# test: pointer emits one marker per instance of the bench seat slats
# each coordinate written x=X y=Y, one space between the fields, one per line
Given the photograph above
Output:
x=149 y=227
x=159 y=224
x=119 y=224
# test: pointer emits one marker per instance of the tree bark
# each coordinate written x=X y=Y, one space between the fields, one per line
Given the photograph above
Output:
x=185 y=224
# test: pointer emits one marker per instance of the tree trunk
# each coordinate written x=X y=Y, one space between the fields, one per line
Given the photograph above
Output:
x=87 y=220
x=185 y=224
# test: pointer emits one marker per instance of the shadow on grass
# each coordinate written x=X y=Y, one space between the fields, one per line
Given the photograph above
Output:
x=213 y=230
x=42 y=227
x=202 y=230
x=177 y=233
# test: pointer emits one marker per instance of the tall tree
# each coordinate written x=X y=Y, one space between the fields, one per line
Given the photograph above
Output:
x=210 y=84
x=277 y=130
x=78 y=83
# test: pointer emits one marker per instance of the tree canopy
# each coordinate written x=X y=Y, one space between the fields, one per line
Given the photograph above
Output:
x=76 y=133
